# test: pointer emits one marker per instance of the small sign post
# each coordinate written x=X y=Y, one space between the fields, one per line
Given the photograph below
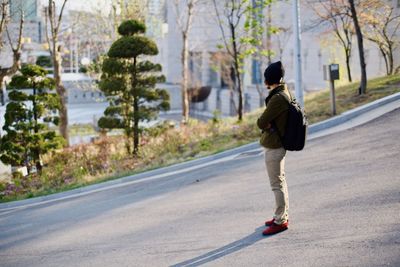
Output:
x=331 y=73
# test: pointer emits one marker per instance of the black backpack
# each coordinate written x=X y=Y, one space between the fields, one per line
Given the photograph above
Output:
x=296 y=126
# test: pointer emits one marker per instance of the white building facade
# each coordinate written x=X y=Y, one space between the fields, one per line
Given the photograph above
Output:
x=318 y=49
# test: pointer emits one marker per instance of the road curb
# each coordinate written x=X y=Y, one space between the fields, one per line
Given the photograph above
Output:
x=348 y=115
x=337 y=120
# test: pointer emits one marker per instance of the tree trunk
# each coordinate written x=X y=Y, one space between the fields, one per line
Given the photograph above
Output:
x=348 y=65
x=35 y=116
x=269 y=33
x=56 y=55
x=391 y=60
x=260 y=94
x=2 y=91
x=136 y=126
x=363 y=85
x=237 y=72
x=3 y=74
x=385 y=58
x=38 y=163
x=185 y=78
x=63 y=112
x=8 y=72
x=135 y=111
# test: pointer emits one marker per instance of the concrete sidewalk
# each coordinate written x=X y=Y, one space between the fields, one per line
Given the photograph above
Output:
x=336 y=124
x=344 y=202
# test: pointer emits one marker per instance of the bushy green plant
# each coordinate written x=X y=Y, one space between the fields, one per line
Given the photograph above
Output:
x=27 y=119
x=44 y=61
x=129 y=80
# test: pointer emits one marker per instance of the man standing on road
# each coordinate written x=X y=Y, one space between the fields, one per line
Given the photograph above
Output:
x=272 y=121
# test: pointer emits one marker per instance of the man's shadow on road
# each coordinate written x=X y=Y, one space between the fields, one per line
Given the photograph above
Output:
x=225 y=250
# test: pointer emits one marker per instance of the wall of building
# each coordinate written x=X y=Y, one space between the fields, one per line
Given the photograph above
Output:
x=318 y=48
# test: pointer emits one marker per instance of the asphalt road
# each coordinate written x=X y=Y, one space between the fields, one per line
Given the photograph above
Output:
x=344 y=211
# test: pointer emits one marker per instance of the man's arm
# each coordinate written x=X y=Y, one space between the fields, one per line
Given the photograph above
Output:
x=274 y=108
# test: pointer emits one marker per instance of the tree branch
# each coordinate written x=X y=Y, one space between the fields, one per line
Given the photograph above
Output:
x=60 y=16
x=222 y=28
x=177 y=13
x=16 y=50
x=47 y=30
x=4 y=19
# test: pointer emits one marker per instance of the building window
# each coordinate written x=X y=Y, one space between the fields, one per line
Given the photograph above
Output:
x=195 y=67
x=291 y=59
x=305 y=55
x=319 y=60
x=84 y=95
x=255 y=72
x=212 y=76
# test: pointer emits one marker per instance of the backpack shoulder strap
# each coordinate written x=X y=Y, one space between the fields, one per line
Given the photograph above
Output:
x=289 y=100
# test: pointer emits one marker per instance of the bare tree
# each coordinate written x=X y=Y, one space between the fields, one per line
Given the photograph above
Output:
x=15 y=48
x=260 y=27
x=124 y=10
x=55 y=51
x=5 y=16
x=335 y=13
x=222 y=63
x=99 y=27
x=353 y=12
x=282 y=37
x=184 y=12
x=232 y=16
x=269 y=32
x=381 y=25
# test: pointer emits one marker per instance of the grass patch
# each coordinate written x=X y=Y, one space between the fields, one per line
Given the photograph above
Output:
x=317 y=105
x=105 y=159
x=81 y=129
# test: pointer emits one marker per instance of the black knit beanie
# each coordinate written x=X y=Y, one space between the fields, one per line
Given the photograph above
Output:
x=274 y=73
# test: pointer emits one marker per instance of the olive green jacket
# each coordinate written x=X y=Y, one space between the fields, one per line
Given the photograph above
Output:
x=276 y=111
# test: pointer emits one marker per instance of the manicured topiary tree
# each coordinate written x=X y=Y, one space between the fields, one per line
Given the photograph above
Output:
x=129 y=80
x=44 y=61
x=27 y=119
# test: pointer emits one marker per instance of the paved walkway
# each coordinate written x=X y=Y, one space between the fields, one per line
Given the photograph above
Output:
x=344 y=192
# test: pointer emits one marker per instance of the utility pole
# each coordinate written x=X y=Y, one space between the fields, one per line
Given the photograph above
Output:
x=71 y=55
x=77 y=56
x=297 y=54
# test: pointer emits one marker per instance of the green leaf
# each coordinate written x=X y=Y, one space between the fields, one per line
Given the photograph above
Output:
x=44 y=61
x=113 y=110
x=114 y=66
x=19 y=82
x=128 y=82
x=110 y=123
x=24 y=141
x=131 y=27
x=18 y=96
x=33 y=71
x=147 y=66
x=132 y=47
x=111 y=86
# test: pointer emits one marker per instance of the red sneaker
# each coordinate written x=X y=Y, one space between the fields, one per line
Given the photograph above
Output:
x=276 y=228
x=270 y=222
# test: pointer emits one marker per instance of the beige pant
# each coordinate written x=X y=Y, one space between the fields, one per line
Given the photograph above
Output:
x=275 y=163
